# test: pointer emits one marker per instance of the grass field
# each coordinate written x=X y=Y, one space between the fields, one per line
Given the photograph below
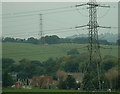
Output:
x=59 y=91
x=18 y=51
x=38 y=90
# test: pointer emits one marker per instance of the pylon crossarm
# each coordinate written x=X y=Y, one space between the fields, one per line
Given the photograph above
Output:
x=81 y=26
x=93 y=4
x=104 y=27
x=81 y=5
x=103 y=6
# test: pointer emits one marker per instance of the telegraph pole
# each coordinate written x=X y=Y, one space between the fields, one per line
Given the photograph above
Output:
x=94 y=47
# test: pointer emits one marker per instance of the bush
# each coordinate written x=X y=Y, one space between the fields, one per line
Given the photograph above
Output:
x=73 y=52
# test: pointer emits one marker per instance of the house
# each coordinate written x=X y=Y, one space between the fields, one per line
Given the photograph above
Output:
x=45 y=82
x=22 y=84
x=17 y=85
x=63 y=75
x=78 y=77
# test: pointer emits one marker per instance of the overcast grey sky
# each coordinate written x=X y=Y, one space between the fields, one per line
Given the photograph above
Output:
x=22 y=20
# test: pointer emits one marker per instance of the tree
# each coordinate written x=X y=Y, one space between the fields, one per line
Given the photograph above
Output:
x=7 y=79
x=73 y=52
x=37 y=63
x=81 y=40
x=62 y=85
x=7 y=63
x=50 y=66
x=28 y=68
x=39 y=70
x=71 y=82
x=24 y=61
x=113 y=78
x=8 y=39
x=109 y=63
x=71 y=66
x=20 y=40
x=73 y=63
x=90 y=79
x=118 y=41
x=82 y=66
x=66 y=40
x=51 y=39
x=105 y=42
x=32 y=40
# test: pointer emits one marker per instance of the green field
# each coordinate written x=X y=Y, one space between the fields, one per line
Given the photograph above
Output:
x=38 y=90
x=58 y=91
x=18 y=51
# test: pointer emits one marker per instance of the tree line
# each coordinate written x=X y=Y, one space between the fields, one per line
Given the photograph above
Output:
x=54 y=39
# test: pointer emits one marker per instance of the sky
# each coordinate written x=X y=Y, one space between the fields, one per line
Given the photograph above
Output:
x=22 y=20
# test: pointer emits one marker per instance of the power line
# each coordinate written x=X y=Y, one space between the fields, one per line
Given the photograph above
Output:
x=100 y=17
x=20 y=19
x=81 y=12
x=20 y=25
x=22 y=33
x=60 y=21
x=59 y=29
x=53 y=9
x=22 y=29
x=38 y=14
x=26 y=13
x=19 y=14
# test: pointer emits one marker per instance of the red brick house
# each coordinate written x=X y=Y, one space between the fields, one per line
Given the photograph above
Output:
x=42 y=82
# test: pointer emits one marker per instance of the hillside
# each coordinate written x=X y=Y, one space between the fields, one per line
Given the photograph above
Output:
x=18 y=51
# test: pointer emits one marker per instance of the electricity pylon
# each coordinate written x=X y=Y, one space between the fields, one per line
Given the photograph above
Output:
x=94 y=47
x=41 y=26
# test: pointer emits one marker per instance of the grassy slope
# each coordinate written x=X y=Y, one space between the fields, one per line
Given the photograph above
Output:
x=18 y=51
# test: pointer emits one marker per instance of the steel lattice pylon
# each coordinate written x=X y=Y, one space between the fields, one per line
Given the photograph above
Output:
x=94 y=48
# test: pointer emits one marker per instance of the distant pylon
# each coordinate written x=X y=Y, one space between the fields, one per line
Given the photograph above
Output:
x=41 y=26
